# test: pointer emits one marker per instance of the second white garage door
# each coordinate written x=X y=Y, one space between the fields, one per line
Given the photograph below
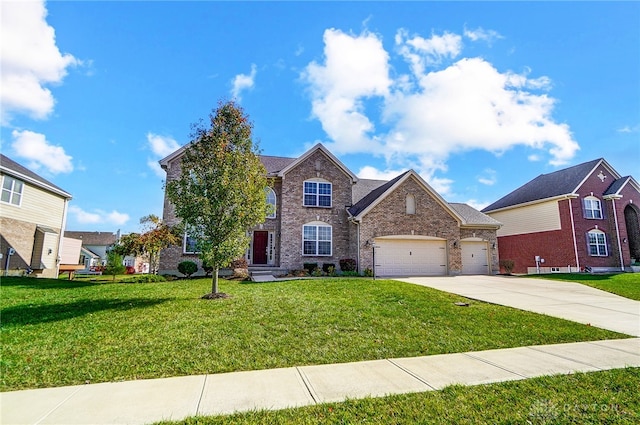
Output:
x=475 y=259
x=410 y=257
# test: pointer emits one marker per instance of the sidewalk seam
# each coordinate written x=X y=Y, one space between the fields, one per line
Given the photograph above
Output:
x=569 y=358
x=307 y=385
x=407 y=371
x=469 y=354
x=204 y=384
x=53 y=409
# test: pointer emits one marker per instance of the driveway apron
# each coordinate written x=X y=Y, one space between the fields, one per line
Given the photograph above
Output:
x=567 y=300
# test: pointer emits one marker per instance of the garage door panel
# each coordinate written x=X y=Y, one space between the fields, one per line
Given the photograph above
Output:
x=475 y=258
x=397 y=257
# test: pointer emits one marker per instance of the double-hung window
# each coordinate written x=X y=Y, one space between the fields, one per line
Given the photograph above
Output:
x=597 y=243
x=592 y=207
x=316 y=240
x=317 y=194
x=190 y=244
x=12 y=190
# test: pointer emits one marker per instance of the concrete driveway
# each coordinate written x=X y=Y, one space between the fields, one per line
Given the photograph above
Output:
x=571 y=301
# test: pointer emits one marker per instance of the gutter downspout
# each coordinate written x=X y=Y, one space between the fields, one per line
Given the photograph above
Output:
x=357 y=223
x=63 y=225
x=615 y=217
x=573 y=232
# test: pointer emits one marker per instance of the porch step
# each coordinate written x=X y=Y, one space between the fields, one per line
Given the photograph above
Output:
x=262 y=276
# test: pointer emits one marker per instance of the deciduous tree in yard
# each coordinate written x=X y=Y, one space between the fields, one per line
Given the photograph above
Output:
x=220 y=192
x=114 y=264
x=156 y=236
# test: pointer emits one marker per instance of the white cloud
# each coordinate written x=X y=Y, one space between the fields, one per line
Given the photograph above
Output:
x=98 y=216
x=422 y=53
x=488 y=178
x=628 y=129
x=41 y=154
x=369 y=172
x=479 y=205
x=438 y=111
x=242 y=82
x=30 y=60
x=355 y=67
x=489 y=36
x=161 y=146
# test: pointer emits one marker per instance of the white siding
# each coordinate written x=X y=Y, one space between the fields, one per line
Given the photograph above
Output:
x=528 y=219
x=38 y=206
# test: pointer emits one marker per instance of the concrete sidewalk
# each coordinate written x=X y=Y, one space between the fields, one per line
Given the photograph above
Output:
x=567 y=300
x=148 y=401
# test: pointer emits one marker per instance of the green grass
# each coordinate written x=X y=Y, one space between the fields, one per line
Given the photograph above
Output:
x=623 y=284
x=609 y=397
x=57 y=332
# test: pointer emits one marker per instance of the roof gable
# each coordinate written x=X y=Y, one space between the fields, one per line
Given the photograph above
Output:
x=12 y=168
x=318 y=147
x=619 y=184
x=546 y=186
x=376 y=196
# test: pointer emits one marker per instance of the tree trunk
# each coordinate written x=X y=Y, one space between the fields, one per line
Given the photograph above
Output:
x=214 y=281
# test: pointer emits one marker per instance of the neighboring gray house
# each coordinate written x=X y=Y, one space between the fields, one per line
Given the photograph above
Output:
x=324 y=213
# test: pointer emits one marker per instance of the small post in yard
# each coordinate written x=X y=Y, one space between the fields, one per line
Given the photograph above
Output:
x=10 y=252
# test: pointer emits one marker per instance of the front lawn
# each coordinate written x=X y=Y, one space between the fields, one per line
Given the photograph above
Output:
x=609 y=397
x=623 y=284
x=57 y=332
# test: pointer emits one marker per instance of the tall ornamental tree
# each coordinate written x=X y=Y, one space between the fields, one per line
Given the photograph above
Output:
x=220 y=194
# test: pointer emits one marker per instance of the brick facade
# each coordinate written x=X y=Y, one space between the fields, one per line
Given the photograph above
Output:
x=559 y=247
x=433 y=218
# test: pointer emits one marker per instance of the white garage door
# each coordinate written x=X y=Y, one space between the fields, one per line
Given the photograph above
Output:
x=410 y=257
x=474 y=257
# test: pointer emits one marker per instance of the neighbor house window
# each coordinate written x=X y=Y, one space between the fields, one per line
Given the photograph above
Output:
x=592 y=207
x=190 y=244
x=316 y=240
x=410 y=204
x=317 y=194
x=597 y=243
x=12 y=190
x=271 y=202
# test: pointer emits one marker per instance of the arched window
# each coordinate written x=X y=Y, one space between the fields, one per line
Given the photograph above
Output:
x=410 y=204
x=271 y=202
x=592 y=207
x=597 y=241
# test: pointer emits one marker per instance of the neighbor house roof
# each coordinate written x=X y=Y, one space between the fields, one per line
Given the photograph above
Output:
x=619 y=184
x=93 y=238
x=545 y=186
x=12 y=168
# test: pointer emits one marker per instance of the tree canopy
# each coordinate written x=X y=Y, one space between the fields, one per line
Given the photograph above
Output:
x=220 y=193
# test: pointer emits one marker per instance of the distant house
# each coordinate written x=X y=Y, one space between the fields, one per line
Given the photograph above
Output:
x=96 y=245
x=32 y=221
x=323 y=213
x=581 y=217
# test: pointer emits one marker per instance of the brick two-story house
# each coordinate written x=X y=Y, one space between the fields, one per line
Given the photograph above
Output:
x=324 y=213
x=585 y=216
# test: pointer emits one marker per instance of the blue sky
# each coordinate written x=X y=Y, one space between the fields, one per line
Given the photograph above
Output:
x=478 y=98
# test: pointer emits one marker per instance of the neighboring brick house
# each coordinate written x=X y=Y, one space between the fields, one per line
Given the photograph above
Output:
x=32 y=221
x=324 y=213
x=585 y=216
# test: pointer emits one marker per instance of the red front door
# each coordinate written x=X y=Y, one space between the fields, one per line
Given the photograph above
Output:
x=259 y=253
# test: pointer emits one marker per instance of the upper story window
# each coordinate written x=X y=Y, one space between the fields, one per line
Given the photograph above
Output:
x=592 y=207
x=410 y=204
x=271 y=202
x=189 y=244
x=316 y=239
x=12 y=190
x=597 y=243
x=317 y=194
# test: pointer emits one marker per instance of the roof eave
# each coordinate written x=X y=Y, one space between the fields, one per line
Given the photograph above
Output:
x=35 y=182
x=537 y=201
